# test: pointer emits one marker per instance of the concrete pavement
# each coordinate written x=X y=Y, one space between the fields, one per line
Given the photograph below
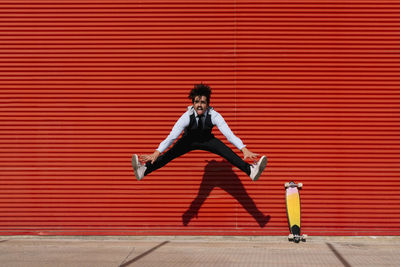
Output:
x=129 y=251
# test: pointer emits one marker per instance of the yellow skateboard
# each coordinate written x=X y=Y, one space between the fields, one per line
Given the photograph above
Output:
x=294 y=211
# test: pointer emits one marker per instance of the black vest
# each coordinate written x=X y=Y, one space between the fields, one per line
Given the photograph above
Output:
x=192 y=132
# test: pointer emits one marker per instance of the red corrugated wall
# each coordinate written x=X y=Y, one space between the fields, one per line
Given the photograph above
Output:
x=314 y=85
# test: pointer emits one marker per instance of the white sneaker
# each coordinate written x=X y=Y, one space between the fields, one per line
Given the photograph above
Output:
x=257 y=168
x=138 y=167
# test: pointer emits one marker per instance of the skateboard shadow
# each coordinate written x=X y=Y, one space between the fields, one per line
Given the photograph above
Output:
x=220 y=174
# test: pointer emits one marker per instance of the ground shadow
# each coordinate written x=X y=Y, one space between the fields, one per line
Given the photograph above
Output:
x=220 y=174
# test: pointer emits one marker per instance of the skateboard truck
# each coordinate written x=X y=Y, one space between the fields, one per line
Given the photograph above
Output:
x=292 y=184
x=297 y=238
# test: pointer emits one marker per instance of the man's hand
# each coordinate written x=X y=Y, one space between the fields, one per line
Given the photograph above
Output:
x=151 y=157
x=247 y=154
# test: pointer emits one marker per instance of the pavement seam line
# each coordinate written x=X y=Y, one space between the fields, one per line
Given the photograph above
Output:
x=132 y=250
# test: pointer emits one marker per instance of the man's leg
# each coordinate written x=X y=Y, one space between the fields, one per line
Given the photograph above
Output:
x=216 y=146
x=182 y=146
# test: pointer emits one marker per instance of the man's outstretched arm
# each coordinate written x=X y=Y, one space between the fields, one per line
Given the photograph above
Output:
x=173 y=135
x=233 y=139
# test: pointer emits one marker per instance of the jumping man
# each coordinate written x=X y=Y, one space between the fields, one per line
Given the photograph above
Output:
x=197 y=123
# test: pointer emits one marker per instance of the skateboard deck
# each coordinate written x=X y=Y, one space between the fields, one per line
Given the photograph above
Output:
x=294 y=211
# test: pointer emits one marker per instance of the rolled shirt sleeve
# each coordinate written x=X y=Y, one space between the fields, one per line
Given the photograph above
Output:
x=219 y=121
x=176 y=131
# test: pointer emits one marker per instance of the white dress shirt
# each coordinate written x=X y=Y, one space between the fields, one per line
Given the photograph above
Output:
x=184 y=120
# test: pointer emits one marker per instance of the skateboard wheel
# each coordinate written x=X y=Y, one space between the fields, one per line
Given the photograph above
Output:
x=304 y=238
x=286 y=185
x=300 y=185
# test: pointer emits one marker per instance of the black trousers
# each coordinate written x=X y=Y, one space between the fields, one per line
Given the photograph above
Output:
x=187 y=144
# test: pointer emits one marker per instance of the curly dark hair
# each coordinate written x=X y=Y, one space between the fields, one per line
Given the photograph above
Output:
x=200 y=90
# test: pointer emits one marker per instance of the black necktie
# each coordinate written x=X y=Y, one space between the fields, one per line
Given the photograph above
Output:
x=200 y=123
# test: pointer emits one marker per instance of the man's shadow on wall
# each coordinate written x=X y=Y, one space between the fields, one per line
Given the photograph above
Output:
x=220 y=174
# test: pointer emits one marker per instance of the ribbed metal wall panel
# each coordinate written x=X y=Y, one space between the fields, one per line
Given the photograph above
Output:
x=314 y=85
